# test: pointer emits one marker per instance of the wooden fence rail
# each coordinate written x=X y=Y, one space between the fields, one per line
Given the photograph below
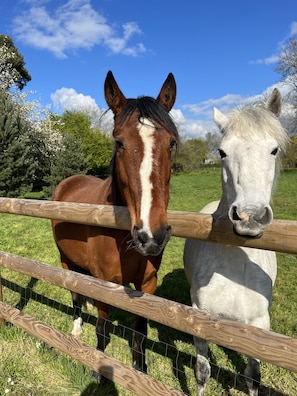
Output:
x=113 y=369
x=271 y=347
x=280 y=236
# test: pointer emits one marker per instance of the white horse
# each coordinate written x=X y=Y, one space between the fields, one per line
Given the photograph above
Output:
x=234 y=282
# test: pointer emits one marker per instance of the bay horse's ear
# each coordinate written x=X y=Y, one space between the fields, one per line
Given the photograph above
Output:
x=113 y=95
x=274 y=102
x=219 y=118
x=167 y=94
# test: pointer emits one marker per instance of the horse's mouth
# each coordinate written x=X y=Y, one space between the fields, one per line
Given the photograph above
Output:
x=151 y=246
x=247 y=234
x=151 y=250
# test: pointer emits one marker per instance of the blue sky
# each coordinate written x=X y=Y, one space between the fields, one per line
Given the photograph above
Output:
x=222 y=53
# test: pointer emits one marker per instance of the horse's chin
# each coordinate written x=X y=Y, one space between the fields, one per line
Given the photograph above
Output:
x=149 y=249
x=247 y=233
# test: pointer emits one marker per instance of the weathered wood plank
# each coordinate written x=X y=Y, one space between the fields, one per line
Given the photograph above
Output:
x=109 y=367
x=1 y=299
x=274 y=348
x=280 y=236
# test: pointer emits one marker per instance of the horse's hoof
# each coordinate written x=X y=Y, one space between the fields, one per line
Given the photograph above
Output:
x=96 y=376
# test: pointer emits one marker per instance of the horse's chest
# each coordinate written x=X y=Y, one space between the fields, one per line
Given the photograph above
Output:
x=226 y=298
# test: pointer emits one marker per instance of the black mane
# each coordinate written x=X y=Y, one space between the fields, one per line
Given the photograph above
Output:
x=151 y=109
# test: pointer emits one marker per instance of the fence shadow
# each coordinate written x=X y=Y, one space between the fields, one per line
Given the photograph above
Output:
x=175 y=287
x=104 y=388
x=27 y=293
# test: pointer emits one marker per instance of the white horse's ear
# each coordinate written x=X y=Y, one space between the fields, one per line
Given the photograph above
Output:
x=219 y=118
x=274 y=102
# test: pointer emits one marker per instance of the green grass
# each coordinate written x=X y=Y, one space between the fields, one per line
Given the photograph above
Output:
x=36 y=369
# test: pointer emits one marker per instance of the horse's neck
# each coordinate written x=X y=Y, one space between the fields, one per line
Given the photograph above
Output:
x=115 y=193
x=222 y=209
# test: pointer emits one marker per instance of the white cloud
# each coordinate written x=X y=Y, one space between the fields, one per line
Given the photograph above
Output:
x=272 y=59
x=193 y=120
x=69 y=99
x=191 y=127
x=293 y=30
x=73 y=26
x=266 y=61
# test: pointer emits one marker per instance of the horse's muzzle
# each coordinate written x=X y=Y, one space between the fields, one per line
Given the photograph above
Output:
x=151 y=245
x=250 y=222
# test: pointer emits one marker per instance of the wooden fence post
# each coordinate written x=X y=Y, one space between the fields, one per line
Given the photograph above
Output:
x=1 y=300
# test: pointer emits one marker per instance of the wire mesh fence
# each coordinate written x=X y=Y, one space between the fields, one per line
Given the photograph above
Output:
x=170 y=354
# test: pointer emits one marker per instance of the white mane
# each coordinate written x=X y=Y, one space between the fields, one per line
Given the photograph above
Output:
x=255 y=121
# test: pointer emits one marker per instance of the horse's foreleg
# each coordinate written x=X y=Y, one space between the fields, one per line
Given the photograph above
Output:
x=148 y=285
x=138 y=344
x=253 y=376
x=102 y=332
x=77 y=316
x=202 y=371
x=102 y=326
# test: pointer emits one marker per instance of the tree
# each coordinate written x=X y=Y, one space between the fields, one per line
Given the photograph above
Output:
x=66 y=161
x=290 y=159
x=12 y=65
x=287 y=67
x=287 y=62
x=16 y=168
x=191 y=155
x=97 y=147
x=213 y=141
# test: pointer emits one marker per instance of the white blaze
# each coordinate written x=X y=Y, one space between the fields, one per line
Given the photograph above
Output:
x=146 y=132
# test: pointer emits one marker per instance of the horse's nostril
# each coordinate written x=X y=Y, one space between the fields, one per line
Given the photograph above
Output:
x=234 y=215
x=141 y=236
x=162 y=235
x=266 y=217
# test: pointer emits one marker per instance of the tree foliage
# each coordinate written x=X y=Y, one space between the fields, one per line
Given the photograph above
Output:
x=191 y=155
x=213 y=141
x=67 y=160
x=290 y=159
x=17 y=169
x=287 y=62
x=12 y=65
x=97 y=147
x=287 y=67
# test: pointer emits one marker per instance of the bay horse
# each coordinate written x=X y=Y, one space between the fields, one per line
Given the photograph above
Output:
x=234 y=282
x=144 y=136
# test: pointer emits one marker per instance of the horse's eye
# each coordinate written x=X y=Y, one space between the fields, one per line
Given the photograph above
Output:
x=119 y=144
x=222 y=153
x=173 y=144
x=275 y=151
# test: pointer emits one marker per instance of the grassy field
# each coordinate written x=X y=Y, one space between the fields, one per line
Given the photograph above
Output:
x=29 y=367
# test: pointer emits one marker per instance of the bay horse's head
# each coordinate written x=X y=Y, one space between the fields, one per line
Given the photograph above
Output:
x=250 y=151
x=145 y=136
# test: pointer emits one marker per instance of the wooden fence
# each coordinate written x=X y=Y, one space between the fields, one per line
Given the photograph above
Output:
x=267 y=346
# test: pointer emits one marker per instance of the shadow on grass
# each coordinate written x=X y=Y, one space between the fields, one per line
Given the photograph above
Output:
x=27 y=293
x=104 y=388
x=174 y=287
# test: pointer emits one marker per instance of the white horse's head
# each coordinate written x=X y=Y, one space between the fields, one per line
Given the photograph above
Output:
x=252 y=140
